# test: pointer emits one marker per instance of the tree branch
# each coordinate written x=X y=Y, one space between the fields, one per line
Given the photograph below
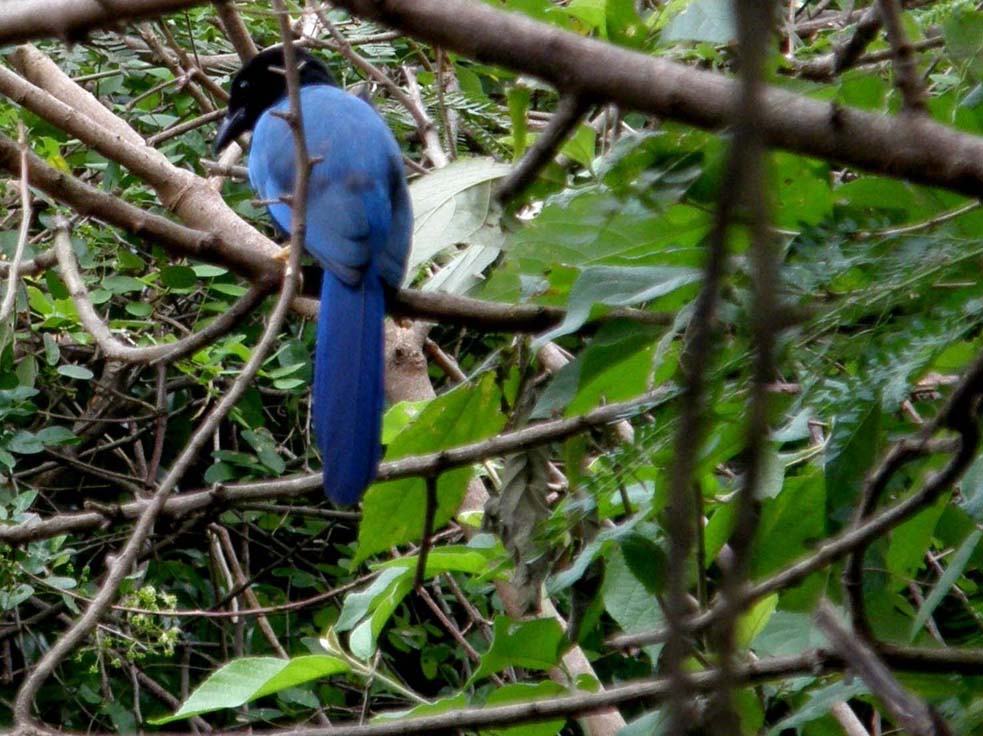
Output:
x=164 y=352
x=198 y=501
x=71 y=20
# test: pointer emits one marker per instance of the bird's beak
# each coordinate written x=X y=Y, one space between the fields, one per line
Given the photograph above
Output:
x=231 y=128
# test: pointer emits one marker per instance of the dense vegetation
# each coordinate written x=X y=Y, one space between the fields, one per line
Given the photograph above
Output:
x=849 y=353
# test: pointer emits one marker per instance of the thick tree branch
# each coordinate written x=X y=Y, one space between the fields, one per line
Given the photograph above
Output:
x=23 y=20
x=919 y=150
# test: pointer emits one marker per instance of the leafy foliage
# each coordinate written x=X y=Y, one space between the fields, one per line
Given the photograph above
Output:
x=880 y=285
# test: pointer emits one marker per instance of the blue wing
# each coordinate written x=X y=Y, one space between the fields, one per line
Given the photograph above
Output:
x=358 y=209
x=359 y=226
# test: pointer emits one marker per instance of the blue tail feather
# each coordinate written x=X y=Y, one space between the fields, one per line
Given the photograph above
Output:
x=348 y=388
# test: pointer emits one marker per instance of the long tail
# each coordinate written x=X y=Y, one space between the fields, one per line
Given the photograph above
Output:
x=348 y=384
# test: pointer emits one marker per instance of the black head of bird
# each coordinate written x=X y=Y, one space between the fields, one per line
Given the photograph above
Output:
x=260 y=84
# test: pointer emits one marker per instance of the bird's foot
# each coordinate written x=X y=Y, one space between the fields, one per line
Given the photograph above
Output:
x=284 y=255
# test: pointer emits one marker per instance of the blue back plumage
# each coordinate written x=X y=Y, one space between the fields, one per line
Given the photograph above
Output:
x=359 y=226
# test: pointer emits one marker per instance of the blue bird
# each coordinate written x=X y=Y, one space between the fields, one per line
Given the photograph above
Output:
x=359 y=225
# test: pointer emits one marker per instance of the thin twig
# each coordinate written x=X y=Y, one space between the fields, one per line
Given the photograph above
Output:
x=120 y=566
x=411 y=100
x=421 y=465
x=569 y=113
x=427 y=540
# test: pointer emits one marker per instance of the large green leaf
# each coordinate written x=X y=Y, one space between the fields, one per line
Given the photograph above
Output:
x=450 y=206
x=703 y=20
x=393 y=512
x=535 y=644
x=617 y=286
x=243 y=680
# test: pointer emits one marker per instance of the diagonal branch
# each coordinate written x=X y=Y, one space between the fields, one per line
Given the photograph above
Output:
x=907 y=710
x=569 y=112
x=419 y=465
x=162 y=353
x=960 y=414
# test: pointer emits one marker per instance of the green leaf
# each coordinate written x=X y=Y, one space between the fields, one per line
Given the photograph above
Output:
x=139 y=309
x=39 y=301
x=628 y=601
x=52 y=352
x=55 y=435
x=235 y=290
x=208 y=271
x=178 y=277
x=911 y=540
x=119 y=284
x=450 y=205
x=365 y=635
x=78 y=372
x=617 y=286
x=703 y=20
x=623 y=25
x=25 y=443
x=244 y=680
x=790 y=523
x=452 y=558
x=647 y=561
x=365 y=613
x=61 y=582
x=851 y=451
x=392 y=512
x=955 y=568
x=264 y=444
x=581 y=146
x=755 y=619
x=518 y=98
x=963 y=34
x=535 y=644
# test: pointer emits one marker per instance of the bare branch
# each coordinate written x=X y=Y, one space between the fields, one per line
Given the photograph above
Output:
x=908 y=711
x=164 y=352
x=235 y=30
x=71 y=20
x=917 y=149
x=905 y=69
x=419 y=465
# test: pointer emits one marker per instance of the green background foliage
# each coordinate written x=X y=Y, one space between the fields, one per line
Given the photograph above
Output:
x=880 y=278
